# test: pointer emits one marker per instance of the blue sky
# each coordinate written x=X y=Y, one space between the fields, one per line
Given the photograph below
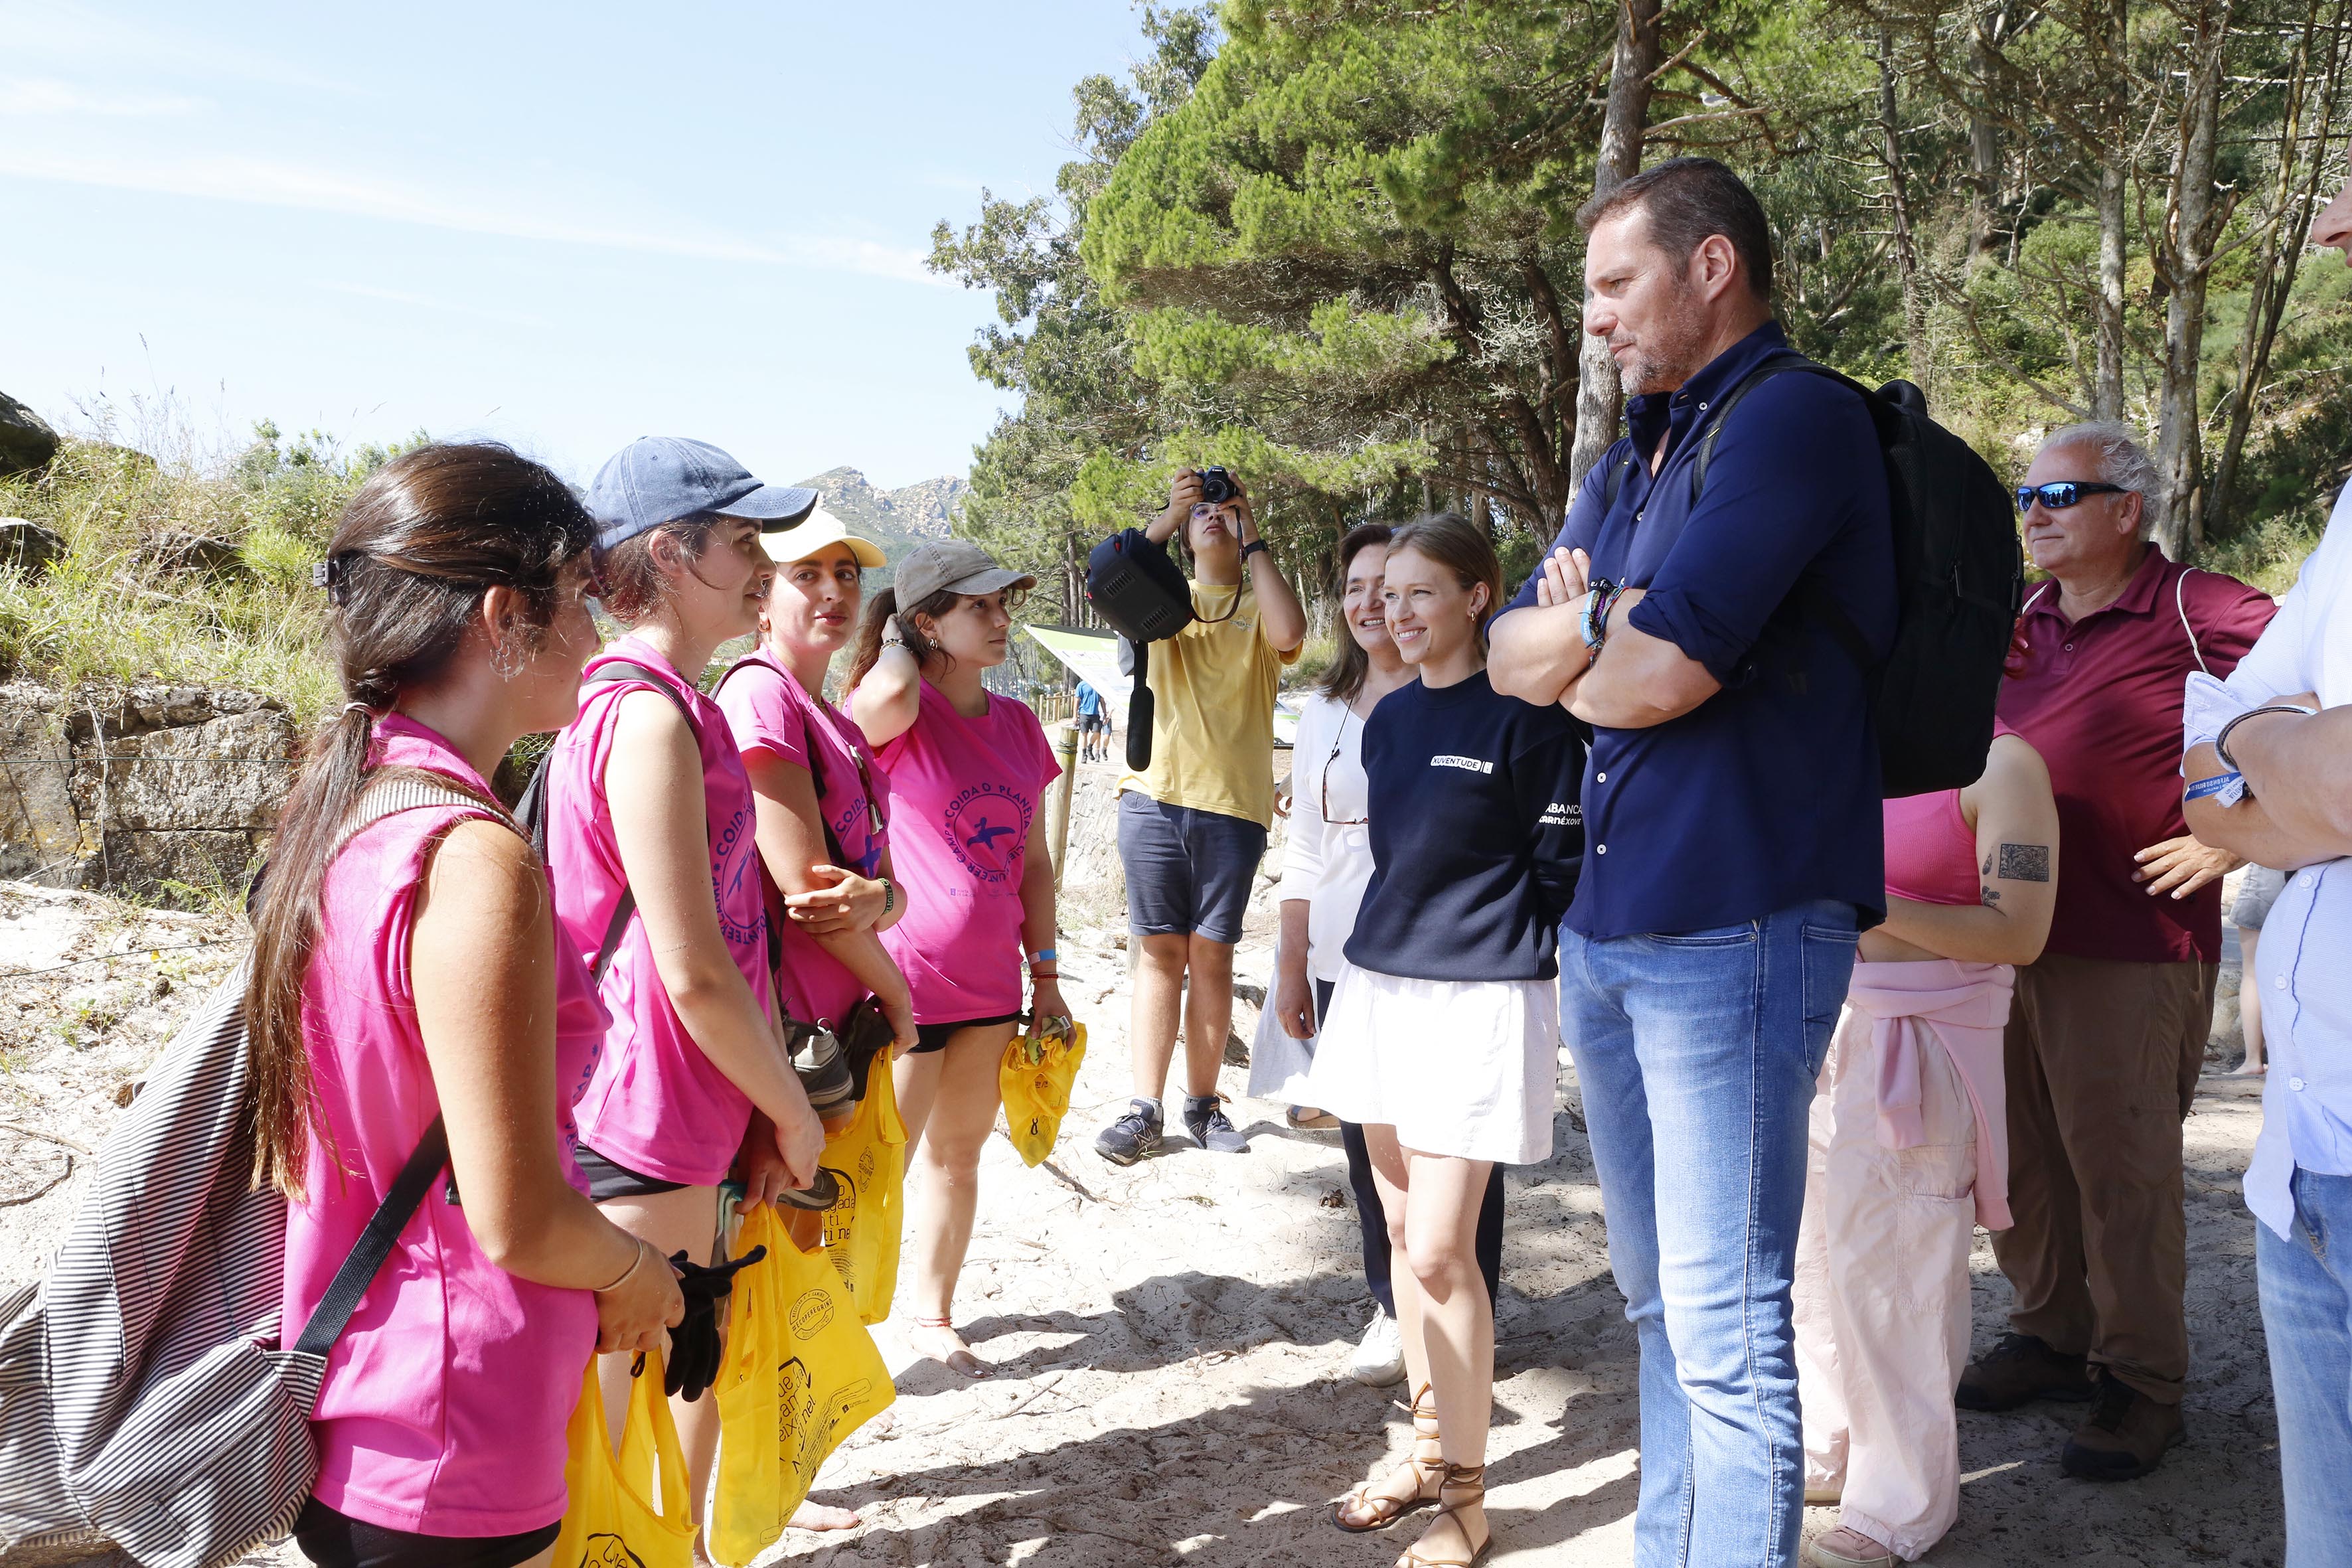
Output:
x=559 y=226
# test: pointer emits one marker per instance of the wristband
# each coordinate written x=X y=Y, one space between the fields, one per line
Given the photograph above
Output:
x=1252 y=548
x=889 y=896
x=1598 y=602
x=2215 y=785
x=2221 y=740
x=1044 y=955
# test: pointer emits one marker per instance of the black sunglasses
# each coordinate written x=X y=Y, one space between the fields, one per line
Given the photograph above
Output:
x=2059 y=494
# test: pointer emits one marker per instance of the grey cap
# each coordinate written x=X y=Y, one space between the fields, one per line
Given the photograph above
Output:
x=952 y=566
x=656 y=480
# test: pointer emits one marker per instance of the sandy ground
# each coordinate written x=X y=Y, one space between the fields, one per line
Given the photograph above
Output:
x=1170 y=1339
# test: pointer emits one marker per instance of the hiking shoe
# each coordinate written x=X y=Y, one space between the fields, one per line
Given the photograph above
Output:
x=2022 y=1367
x=1204 y=1119
x=1379 y=1361
x=2126 y=1437
x=1133 y=1135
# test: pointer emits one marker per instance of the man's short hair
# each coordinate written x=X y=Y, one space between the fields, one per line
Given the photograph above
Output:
x=1688 y=199
x=2121 y=460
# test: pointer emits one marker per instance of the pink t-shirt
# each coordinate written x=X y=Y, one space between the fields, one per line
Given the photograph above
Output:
x=770 y=711
x=964 y=792
x=445 y=1401
x=655 y=1104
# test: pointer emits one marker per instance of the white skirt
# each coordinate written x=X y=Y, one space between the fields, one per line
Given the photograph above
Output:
x=1465 y=1068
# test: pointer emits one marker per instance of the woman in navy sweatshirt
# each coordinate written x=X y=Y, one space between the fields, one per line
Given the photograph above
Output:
x=1444 y=1037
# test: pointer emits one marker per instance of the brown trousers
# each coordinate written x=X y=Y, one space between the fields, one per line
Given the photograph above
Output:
x=2102 y=1058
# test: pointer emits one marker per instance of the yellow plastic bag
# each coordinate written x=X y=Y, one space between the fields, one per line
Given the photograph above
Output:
x=608 y=1521
x=868 y=1158
x=800 y=1374
x=1039 y=1069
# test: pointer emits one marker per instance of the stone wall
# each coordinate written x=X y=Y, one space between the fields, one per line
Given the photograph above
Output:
x=128 y=790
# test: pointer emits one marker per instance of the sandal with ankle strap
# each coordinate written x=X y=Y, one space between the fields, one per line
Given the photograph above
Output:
x=1467 y=1478
x=1377 y=1510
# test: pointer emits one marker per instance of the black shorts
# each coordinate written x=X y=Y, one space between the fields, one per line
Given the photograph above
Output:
x=1088 y=723
x=607 y=1181
x=337 y=1540
x=934 y=1036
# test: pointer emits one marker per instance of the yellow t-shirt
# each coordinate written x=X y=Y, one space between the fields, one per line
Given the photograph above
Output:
x=1213 y=689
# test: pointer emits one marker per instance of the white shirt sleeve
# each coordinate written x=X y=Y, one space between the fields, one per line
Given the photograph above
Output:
x=1302 y=854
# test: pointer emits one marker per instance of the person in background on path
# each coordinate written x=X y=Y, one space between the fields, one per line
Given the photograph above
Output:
x=1909 y=1155
x=1193 y=825
x=409 y=970
x=825 y=852
x=968 y=770
x=2107 y=1032
x=2282 y=722
x=2256 y=894
x=1093 y=725
x=1713 y=933
x=1327 y=860
x=1442 y=1034
x=647 y=796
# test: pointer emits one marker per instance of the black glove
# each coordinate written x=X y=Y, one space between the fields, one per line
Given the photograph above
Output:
x=693 y=1363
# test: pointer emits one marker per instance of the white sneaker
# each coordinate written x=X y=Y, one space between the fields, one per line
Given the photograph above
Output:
x=1379 y=1361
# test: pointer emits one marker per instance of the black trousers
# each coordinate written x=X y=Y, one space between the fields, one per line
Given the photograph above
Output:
x=1374 y=1221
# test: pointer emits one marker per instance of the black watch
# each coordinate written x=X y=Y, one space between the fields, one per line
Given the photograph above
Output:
x=1252 y=548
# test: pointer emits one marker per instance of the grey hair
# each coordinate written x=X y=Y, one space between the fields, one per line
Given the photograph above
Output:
x=2122 y=461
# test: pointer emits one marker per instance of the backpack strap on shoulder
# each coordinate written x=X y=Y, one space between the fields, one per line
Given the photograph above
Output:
x=1763 y=372
x=349 y=1284
x=625 y=670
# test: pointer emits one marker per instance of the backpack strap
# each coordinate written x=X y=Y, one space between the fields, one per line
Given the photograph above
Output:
x=333 y=1312
x=1614 y=483
x=624 y=669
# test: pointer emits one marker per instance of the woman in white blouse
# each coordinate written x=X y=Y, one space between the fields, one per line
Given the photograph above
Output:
x=1325 y=867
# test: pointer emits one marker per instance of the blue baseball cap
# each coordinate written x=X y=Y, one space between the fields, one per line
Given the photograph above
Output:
x=656 y=480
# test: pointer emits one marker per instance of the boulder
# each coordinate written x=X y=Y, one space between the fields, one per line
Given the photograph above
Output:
x=193 y=555
x=26 y=442
x=28 y=546
x=131 y=790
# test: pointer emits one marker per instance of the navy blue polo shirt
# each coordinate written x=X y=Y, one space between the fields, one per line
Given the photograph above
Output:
x=1767 y=793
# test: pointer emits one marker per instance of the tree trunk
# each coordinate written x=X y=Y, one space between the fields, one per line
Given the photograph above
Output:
x=2283 y=238
x=1907 y=252
x=1598 y=401
x=2186 y=262
x=1984 y=145
x=2107 y=392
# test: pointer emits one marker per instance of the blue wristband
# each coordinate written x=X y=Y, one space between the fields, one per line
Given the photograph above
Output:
x=1046 y=955
x=2215 y=785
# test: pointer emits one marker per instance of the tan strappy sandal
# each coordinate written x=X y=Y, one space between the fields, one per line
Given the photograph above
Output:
x=1463 y=1485
x=1378 y=1509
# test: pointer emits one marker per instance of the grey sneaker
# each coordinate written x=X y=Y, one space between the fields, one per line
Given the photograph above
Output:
x=1204 y=1119
x=1132 y=1136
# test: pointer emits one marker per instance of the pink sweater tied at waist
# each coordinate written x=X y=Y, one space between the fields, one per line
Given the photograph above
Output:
x=1963 y=1007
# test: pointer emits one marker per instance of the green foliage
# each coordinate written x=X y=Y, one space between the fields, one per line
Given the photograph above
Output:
x=109 y=613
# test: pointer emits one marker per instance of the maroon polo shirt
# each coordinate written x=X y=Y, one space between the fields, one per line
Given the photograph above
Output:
x=2100 y=700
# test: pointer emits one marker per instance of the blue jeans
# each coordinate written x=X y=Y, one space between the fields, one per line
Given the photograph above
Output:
x=1696 y=1053
x=2306 y=1287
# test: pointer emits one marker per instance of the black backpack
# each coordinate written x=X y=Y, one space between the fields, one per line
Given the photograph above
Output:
x=1142 y=595
x=1959 y=578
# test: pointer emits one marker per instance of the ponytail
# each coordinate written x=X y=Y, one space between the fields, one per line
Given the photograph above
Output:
x=410 y=558
x=879 y=612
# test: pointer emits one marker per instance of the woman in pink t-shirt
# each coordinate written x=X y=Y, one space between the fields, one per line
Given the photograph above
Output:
x=647 y=797
x=968 y=772
x=405 y=968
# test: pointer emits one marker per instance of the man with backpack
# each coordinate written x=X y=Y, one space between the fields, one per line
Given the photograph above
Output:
x=2108 y=1032
x=1710 y=633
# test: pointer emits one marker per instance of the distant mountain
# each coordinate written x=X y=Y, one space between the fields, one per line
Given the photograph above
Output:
x=896 y=520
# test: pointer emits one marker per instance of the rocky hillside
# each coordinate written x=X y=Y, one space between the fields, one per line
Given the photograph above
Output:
x=896 y=520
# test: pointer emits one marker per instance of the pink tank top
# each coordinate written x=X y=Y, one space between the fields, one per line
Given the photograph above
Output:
x=445 y=1403
x=964 y=792
x=1931 y=850
x=655 y=1104
x=768 y=712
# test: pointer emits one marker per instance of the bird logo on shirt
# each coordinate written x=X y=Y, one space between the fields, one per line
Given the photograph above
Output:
x=987 y=826
x=988 y=833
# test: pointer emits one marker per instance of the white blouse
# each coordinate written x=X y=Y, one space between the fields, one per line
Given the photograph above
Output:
x=1328 y=862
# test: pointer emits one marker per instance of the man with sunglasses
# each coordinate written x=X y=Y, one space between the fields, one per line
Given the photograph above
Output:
x=2107 y=1032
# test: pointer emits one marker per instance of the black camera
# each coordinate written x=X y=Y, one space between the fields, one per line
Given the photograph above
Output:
x=1216 y=487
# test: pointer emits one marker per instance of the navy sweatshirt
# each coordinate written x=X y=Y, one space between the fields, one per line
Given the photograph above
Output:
x=1475 y=833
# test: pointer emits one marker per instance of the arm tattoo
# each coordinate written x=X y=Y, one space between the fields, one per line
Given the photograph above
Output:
x=1989 y=897
x=1987 y=868
x=2025 y=862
